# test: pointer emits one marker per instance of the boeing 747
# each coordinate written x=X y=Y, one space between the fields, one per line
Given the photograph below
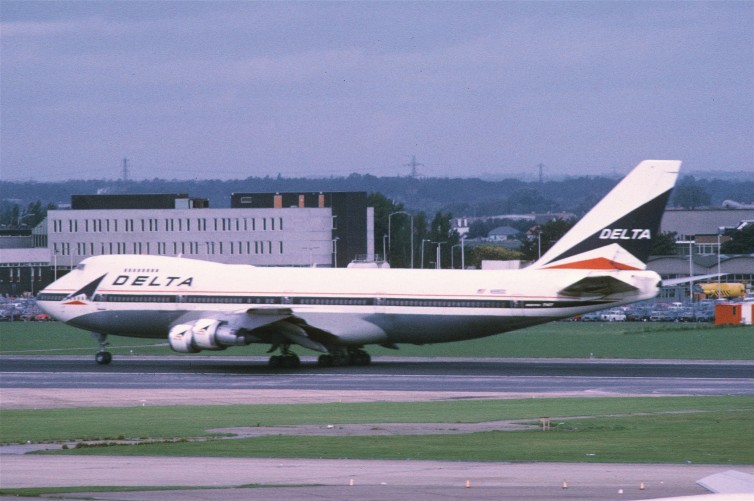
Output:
x=200 y=305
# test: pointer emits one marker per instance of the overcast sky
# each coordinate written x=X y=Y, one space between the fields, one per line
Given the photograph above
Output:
x=237 y=89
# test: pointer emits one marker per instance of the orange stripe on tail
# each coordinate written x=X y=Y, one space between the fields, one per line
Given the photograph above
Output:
x=598 y=263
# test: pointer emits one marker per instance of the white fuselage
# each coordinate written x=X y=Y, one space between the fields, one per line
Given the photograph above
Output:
x=143 y=296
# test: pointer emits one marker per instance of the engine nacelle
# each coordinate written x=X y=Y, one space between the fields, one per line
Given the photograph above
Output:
x=203 y=334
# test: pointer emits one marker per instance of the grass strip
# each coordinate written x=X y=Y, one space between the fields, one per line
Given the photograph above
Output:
x=47 y=491
x=104 y=423
x=554 y=340
x=720 y=437
x=710 y=430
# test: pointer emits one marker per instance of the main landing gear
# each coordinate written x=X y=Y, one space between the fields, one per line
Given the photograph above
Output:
x=287 y=359
x=341 y=357
x=103 y=357
x=338 y=357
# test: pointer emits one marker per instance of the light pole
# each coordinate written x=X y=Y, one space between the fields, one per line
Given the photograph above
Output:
x=437 y=258
x=452 y=256
x=384 y=248
x=335 y=251
x=463 y=253
x=720 y=229
x=389 y=241
x=691 y=266
x=424 y=240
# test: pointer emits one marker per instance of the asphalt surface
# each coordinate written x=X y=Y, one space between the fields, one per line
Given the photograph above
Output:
x=275 y=479
x=77 y=382
x=388 y=374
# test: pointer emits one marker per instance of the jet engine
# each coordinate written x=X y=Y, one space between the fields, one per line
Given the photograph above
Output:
x=203 y=334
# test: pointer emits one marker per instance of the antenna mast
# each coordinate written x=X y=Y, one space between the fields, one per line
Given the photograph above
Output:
x=413 y=164
x=125 y=169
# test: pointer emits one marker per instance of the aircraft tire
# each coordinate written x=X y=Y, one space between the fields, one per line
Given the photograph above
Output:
x=290 y=361
x=275 y=361
x=360 y=358
x=103 y=357
x=325 y=361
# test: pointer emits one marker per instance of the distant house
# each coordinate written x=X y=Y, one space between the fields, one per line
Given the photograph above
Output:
x=460 y=225
x=502 y=233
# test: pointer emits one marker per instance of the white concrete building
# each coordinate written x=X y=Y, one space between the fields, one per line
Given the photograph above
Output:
x=262 y=237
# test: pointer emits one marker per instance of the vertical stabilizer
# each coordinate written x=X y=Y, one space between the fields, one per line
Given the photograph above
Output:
x=617 y=234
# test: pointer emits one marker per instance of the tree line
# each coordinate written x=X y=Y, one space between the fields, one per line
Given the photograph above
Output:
x=459 y=196
x=428 y=204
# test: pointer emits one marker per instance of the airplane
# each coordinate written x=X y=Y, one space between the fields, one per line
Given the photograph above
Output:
x=200 y=305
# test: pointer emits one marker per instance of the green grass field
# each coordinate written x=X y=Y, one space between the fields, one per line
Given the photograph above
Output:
x=711 y=430
x=554 y=340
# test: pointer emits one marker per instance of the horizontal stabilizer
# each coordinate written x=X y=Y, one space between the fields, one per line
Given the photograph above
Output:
x=598 y=286
x=677 y=281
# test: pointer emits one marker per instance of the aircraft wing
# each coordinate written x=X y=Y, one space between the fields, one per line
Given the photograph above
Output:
x=597 y=286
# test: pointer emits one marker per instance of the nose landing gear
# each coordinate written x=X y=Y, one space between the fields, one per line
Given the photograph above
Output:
x=103 y=357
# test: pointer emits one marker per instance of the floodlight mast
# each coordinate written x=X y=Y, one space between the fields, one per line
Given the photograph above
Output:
x=691 y=265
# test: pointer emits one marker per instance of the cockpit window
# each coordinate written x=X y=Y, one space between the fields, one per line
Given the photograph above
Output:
x=80 y=266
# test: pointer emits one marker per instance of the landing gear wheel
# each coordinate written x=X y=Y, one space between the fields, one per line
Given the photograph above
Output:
x=359 y=357
x=103 y=357
x=291 y=361
x=325 y=361
x=288 y=360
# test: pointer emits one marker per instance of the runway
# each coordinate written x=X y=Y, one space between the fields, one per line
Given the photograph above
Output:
x=621 y=377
